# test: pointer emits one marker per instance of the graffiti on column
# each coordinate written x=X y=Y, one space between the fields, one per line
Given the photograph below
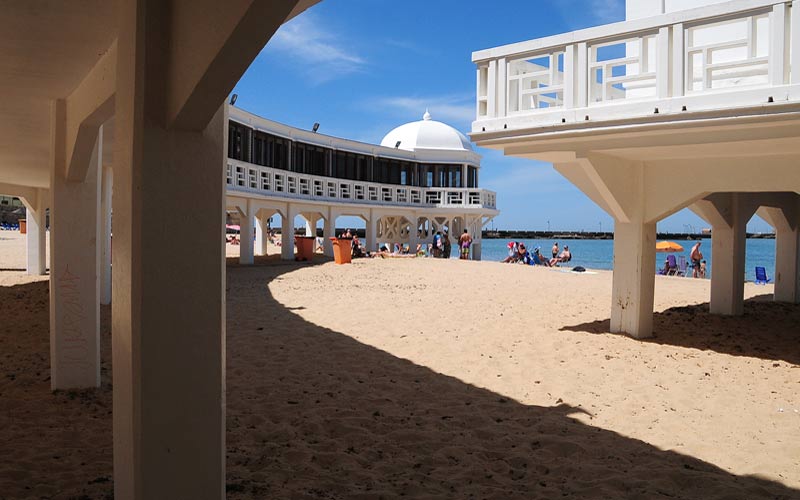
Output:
x=75 y=346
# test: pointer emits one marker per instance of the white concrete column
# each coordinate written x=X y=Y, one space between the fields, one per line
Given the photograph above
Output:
x=413 y=234
x=36 y=237
x=107 y=180
x=74 y=265
x=287 y=233
x=246 y=234
x=262 y=232
x=311 y=224
x=727 y=272
x=168 y=312
x=371 y=233
x=633 y=280
x=787 y=264
x=328 y=231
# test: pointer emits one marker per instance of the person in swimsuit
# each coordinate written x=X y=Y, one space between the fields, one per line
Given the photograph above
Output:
x=696 y=256
x=554 y=250
x=464 y=242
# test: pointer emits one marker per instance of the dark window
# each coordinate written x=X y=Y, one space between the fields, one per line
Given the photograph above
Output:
x=472 y=177
x=237 y=141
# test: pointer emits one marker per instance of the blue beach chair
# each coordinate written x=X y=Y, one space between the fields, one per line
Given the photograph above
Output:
x=761 y=276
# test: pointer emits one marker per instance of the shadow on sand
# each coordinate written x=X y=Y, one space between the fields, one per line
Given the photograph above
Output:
x=312 y=413
x=767 y=330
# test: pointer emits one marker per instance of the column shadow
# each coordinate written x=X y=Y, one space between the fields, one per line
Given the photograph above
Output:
x=767 y=330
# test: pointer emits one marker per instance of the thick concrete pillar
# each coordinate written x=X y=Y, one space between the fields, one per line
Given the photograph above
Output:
x=168 y=312
x=107 y=180
x=74 y=265
x=262 y=232
x=727 y=274
x=787 y=264
x=287 y=233
x=633 y=283
x=371 y=233
x=36 y=237
x=246 y=217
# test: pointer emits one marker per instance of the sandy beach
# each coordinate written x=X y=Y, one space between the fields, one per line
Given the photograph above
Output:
x=443 y=379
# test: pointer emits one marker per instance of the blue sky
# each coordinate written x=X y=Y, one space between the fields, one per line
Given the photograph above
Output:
x=362 y=67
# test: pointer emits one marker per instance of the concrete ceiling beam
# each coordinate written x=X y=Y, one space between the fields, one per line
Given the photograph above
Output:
x=25 y=193
x=89 y=106
x=212 y=44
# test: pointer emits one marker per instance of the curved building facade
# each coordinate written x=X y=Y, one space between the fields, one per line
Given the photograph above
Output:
x=422 y=178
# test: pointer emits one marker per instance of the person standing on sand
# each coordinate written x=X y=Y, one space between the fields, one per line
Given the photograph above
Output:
x=696 y=256
x=554 y=250
x=437 y=245
x=464 y=242
x=447 y=246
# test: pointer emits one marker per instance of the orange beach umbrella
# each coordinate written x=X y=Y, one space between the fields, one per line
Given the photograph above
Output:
x=668 y=246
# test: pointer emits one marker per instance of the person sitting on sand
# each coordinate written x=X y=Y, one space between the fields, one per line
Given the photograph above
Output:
x=538 y=258
x=357 y=249
x=564 y=256
x=512 y=253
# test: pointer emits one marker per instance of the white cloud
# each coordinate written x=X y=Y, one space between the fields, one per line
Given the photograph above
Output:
x=323 y=55
x=456 y=109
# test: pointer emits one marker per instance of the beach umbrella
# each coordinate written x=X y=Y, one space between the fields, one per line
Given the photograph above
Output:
x=668 y=246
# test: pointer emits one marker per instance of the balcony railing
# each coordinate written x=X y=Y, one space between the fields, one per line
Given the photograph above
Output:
x=720 y=56
x=248 y=178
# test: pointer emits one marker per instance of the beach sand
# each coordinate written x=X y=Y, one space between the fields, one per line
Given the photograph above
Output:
x=444 y=379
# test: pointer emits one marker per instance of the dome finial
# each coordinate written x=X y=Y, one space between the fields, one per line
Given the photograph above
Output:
x=426 y=116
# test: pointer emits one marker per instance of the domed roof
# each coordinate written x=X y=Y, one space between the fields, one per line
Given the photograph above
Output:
x=426 y=134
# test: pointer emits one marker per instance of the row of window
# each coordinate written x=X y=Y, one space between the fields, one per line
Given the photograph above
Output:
x=265 y=149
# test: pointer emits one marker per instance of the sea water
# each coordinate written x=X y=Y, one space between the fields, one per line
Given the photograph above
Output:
x=599 y=254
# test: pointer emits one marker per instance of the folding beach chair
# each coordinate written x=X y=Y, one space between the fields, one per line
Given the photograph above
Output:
x=682 y=269
x=761 y=276
x=672 y=266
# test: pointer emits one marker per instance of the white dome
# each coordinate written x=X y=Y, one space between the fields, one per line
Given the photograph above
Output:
x=426 y=134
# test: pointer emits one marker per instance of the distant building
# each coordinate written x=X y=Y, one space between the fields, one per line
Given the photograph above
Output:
x=422 y=178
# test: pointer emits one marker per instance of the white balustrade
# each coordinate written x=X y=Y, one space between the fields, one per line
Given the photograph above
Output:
x=258 y=180
x=739 y=49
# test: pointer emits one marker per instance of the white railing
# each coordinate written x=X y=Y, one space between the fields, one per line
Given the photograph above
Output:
x=741 y=45
x=246 y=177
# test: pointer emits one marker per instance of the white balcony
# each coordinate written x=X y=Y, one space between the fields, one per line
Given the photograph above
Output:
x=738 y=54
x=250 y=179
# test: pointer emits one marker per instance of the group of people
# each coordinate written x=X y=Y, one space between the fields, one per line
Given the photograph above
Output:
x=519 y=254
x=441 y=247
x=697 y=263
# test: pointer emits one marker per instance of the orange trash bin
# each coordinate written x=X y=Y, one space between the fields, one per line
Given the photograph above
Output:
x=342 y=250
x=23 y=226
x=305 y=247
